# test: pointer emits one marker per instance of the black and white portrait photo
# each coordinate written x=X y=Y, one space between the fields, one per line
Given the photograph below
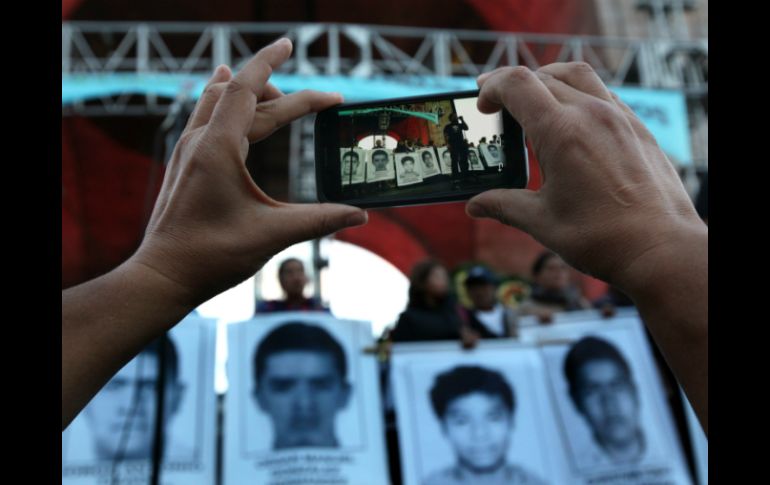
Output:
x=610 y=402
x=491 y=153
x=352 y=165
x=298 y=390
x=380 y=165
x=113 y=436
x=478 y=418
x=430 y=167
x=474 y=162
x=408 y=169
x=301 y=383
x=446 y=160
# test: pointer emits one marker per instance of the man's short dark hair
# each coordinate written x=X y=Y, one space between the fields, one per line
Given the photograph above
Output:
x=379 y=152
x=589 y=349
x=427 y=153
x=463 y=380
x=298 y=336
x=351 y=153
x=285 y=262
x=407 y=159
x=172 y=356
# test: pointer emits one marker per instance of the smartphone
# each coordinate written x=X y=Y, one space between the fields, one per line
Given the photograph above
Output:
x=419 y=150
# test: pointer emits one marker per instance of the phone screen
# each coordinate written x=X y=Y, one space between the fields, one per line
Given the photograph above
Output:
x=416 y=151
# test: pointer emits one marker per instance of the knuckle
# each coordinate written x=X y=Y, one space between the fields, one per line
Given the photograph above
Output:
x=518 y=73
x=581 y=66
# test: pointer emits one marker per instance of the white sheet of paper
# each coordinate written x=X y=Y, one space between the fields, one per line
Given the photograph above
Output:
x=661 y=459
x=352 y=160
x=190 y=437
x=408 y=173
x=384 y=169
x=296 y=405
x=428 y=451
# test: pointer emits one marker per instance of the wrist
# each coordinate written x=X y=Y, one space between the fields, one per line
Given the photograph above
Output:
x=159 y=284
x=672 y=264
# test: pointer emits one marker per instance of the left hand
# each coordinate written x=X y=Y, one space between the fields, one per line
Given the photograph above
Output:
x=212 y=226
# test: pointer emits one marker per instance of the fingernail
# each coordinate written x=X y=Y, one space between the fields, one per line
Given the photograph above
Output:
x=357 y=219
x=283 y=40
x=474 y=209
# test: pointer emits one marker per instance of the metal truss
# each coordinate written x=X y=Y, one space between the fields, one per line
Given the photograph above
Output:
x=94 y=49
x=104 y=48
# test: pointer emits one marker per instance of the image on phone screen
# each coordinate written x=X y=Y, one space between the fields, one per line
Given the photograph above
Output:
x=418 y=150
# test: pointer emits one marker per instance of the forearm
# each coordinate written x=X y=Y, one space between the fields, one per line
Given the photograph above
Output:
x=108 y=320
x=670 y=289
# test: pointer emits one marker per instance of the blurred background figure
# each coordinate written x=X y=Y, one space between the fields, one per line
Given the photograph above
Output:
x=292 y=277
x=432 y=312
x=611 y=301
x=552 y=291
x=487 y=313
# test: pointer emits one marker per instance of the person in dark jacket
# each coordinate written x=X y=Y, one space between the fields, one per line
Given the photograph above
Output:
x=432 y=313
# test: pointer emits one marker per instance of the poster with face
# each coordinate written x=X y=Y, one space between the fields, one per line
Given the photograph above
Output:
x=480 y=416
x=303 y=402
x=408 y=169
x=111 y=440
x=610 y=403
x=352 y=165
x=474 y=162
x=446 y=160
x=430 y=166
x=380 y=165
x=492 y=154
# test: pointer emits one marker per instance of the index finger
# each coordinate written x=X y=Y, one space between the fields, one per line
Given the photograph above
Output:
x=235 y=109
x=520 y=91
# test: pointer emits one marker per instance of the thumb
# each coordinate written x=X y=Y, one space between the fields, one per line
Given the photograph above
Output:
x=518 y=208
x=302 y=222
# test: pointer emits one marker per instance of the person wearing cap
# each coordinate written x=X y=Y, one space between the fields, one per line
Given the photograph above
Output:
x=490 y=317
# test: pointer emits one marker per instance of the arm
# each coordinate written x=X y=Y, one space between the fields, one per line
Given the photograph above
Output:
x=611 y=205
x=211 y=228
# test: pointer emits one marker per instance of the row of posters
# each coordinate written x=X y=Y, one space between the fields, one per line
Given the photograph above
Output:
x=579 y=401
x=380 y=164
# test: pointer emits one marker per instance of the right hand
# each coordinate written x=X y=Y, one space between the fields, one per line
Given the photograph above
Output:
x=610 y=198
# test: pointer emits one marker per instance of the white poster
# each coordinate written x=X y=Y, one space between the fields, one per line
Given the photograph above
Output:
x=480 y=416
x=353 y=166
x=446 y=160
x=491 y=153
x=429 y=163
x=474 y=162
x=616 y=426
x=380 y=165
x=111 y=440
x=700 y=444
x=408 y=171
x=303 y=404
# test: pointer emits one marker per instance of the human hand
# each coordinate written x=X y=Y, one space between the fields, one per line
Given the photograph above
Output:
x=610 y=198
x=212 y=226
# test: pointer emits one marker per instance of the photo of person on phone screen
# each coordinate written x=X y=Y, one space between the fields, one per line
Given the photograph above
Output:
x=407 y=170
x=352 y=168
x=429 y=166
